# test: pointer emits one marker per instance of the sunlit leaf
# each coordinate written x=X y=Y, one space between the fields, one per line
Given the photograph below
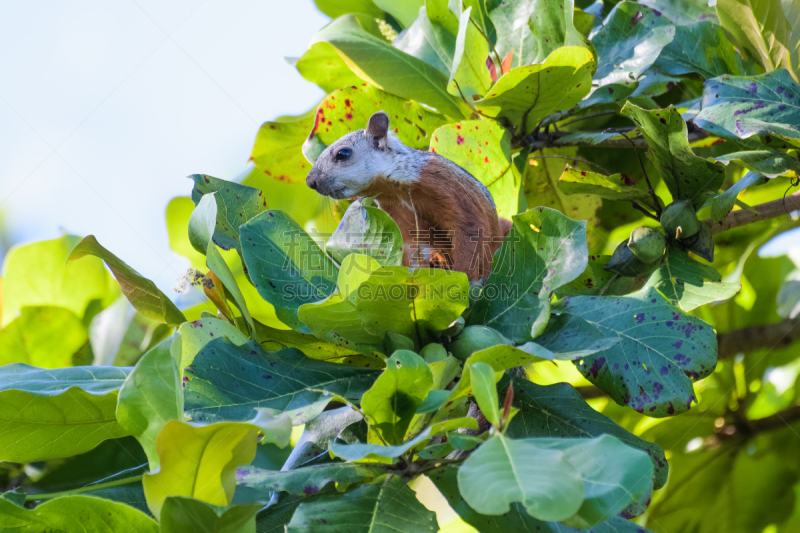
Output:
x=760 y=26
x=483 y=149
x=614 y=187
x=542 y=251
x=367 y=230
x=307 y=479
x=38 y=274
x=526 y=95
x=76 y=514
x=50 y=414
x=48 y=337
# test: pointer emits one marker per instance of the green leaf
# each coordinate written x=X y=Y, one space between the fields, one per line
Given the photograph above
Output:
x=661 y=351
x=614 y=187
x=689 y=284
x=760 y=26
x=388 y=506
x=307 y=479
x=286 y=265
x=418 y=303
x=526 y=95
x=684 y=12
x=366 y=230
x=688 y=177
x=205 y=219
x=236 y=204
x=543 y=480
x=50 y=414
x=151 y=396
x=179 y=211
x=140 y=292
x=766 y=107
x=359 y=451
x=482 y=148
x=516 y=519
x=322 y=66
x=484 y=388
x=337 y=8
x=230 y=382
x=769 y=163
x=630 y=40
x=275 y=339
x=48 y=337
x=392 y=401
x=396 y=72
x=195 y=335
x=318 y=433
x=180 y=514
x=722 y=204
x=568 y=337
x=348 y=109
x=552 y=26
x=510 y=19
x=543 y=251
x=614 y=475
x=704 y=48
x=76 y=514
x=559 y=411
x=277 y=151
x=405 y=11
x=37 y=274
x=199 y=462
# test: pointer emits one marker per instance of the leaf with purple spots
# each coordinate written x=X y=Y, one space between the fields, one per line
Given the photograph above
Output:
x=569 y=337
x=689 y=284
x=386 y=506
x=631 y=372
x=765 y=109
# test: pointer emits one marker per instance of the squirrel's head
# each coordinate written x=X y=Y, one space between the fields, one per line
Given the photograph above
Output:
x=348 y=166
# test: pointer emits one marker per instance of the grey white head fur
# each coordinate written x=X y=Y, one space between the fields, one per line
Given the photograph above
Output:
x=349 y=165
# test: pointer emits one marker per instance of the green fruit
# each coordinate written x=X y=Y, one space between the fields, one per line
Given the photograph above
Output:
x=624 y=263
x=680 y=214
x=433 y=352
x=703 y=244
x=647 y=244
x=474 y=339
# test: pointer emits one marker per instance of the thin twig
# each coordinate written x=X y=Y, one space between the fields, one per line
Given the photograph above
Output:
x=643 y=210
x=607 y=285
x=646 y=177
x=587 y=117
x=578 y=159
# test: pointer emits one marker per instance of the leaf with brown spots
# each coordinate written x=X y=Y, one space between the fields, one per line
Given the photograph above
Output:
x=688 y=177
x=347 y=110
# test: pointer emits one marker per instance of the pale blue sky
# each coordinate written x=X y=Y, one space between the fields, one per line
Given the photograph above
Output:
x=107 y=105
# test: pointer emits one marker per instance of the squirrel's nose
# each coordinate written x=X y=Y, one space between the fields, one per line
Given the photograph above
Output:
x=311 y=181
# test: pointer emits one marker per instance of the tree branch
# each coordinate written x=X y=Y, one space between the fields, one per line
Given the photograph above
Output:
x=766 y=211
x=776 y=421
x=754 y=338
x=550 y=140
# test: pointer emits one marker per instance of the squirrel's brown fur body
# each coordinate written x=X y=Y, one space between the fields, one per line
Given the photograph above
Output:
x=447 y=217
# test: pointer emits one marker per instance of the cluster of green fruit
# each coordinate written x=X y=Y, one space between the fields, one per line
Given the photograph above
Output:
x=645 y=249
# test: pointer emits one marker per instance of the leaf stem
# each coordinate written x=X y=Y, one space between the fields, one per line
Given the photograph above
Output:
x=646 y=177
x=88 y=488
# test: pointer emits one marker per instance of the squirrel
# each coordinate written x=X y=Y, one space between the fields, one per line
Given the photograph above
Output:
x=447 y=218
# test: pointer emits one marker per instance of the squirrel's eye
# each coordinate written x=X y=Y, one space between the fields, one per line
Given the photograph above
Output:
x=343 y=154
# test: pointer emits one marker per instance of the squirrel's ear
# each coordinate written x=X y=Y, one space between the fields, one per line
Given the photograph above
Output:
x=378 y=129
